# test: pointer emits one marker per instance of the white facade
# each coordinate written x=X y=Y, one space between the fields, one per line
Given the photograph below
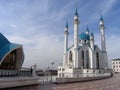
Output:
x=116 y=65
x=83 y=54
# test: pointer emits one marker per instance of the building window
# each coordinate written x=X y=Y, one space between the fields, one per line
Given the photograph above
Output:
x=63 y=69
x=82 y=58
x=62 y=74
x=70 y=56
x=87 y=59
x=87 y=71
x=97 y=60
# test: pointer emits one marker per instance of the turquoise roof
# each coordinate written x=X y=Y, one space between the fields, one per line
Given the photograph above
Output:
x=84 y=36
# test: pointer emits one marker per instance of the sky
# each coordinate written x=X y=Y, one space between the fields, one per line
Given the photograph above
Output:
x=39 y=26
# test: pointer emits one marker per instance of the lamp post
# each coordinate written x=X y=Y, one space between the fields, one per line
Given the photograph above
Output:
x=44 y=76
x=47 y=71
x=52 y=63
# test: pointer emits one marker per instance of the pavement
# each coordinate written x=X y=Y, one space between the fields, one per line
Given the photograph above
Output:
x=112 y=83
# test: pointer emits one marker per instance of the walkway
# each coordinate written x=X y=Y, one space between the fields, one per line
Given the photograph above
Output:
x=104 y=84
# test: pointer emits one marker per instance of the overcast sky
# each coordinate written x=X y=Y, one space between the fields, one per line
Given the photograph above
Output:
x=39 y=26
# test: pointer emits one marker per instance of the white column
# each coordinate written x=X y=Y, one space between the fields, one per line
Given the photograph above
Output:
x=76 y=33
x=103 y=42
x=92 y=41
x=103 y=39
x=65 y=45
x=102 y=27
x=92 y=50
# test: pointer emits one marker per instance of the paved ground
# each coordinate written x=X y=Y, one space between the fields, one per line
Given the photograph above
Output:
x=104 y=84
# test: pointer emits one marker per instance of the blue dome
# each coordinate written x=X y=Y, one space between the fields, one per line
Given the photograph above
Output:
x=84 y=36
x=10 y=51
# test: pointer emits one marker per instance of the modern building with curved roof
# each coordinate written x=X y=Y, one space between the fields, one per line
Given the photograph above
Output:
x=11 y=54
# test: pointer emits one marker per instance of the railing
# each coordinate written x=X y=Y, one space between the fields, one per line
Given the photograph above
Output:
x=16 y=73
x=85 y=73
x=71 y=75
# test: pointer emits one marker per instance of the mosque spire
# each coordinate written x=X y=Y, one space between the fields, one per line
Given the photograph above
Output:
x=65 y=44
x=102 y=29
x=101 y=18
x=76 y=12
x=92 y=41
x=103 y=41
x=66 y=24
x=76 y=38
x=87 y=30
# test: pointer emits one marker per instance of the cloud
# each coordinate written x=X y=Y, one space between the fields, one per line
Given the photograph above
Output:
x=108 y=6
x=46 y=48
x=39 y=26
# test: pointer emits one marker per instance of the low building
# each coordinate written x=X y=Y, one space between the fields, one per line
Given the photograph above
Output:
x=116 y=65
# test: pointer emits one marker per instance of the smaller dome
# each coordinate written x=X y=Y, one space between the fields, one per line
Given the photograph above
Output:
x=84 y=36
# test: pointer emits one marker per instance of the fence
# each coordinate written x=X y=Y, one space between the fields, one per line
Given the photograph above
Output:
x=16 y=73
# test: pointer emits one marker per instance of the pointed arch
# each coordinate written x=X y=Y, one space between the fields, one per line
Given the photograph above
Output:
x=87 y=59
x=70 y=56
x=82 y=54
x=97 y=60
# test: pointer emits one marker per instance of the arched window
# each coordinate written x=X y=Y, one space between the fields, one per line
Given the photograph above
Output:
x=82 y=54
x=70 y=56
x=97 y=60
x=87 y=59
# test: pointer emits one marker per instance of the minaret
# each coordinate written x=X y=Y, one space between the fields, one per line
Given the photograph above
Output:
x=92 y=53
x=103 y=43
x=102 y=29
x=92 y=41
x=65 y=44
x=76 y=34
x=76 y=29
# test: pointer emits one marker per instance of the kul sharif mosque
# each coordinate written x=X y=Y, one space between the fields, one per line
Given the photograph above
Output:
x=84 y=53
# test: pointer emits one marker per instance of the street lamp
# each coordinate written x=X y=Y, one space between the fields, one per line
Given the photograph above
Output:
x=52 y=63
x=47 y=71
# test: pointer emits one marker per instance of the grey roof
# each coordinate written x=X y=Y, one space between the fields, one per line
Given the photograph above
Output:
x=117 y=59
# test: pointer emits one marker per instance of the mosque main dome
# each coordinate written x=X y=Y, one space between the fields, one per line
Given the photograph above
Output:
x=84 y=36
x=11 y=54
